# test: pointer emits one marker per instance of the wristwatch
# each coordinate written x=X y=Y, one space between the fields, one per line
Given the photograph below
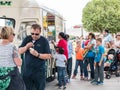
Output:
x=38 y=55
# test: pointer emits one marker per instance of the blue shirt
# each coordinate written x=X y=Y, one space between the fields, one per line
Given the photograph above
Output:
x=108 y=38
x=70 y=49
x=91 y=53
x=98 y=53
x=32 y=64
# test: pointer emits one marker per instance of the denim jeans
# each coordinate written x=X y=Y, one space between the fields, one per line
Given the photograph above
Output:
x=69 y=67
x=61 y=76
x=89 y=60
x=79 y=62
x=99 y=72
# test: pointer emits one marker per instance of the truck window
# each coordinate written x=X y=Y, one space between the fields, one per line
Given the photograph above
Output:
x=24 y=30
x=7 y=22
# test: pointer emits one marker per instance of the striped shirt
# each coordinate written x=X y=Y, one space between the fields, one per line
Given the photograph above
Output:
x=7 y=54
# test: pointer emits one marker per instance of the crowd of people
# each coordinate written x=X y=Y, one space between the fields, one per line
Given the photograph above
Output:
x=91 y=53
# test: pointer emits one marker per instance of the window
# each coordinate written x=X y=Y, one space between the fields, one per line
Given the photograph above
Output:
x=7 y=22
x=24 y=30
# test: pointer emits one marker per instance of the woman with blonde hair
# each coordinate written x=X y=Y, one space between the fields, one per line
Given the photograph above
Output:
x=10 y=78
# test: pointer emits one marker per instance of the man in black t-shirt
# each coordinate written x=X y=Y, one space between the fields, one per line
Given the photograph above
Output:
x=37 y=50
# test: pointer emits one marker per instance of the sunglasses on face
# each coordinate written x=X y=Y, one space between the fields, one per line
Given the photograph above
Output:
x=13 y=34
x=35 y=34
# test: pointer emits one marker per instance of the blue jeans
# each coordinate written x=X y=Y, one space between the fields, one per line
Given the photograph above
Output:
x=79 y=62
x=89 y=60
x=61 y=76
x=69 y=67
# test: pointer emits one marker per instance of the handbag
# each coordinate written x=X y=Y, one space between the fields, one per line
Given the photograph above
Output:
x=5 y=77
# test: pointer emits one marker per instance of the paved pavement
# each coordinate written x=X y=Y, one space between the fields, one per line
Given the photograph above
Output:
x=77 y=84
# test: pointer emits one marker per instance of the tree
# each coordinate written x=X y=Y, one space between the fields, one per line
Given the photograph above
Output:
x=102 y=14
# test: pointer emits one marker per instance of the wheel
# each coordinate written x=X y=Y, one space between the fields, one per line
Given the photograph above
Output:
x=117 y=74
x=108 y=76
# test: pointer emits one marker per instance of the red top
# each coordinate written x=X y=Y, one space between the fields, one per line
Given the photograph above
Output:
x=63 y=44
x=86 y=42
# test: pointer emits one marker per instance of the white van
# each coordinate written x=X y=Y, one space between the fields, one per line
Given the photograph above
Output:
x=21 y=14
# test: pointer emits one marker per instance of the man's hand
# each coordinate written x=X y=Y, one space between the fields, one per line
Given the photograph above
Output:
x=29 y=45
x=33 y=52
x=52 y=42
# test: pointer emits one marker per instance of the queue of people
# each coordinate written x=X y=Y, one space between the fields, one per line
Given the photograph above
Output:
x=90 y=54
x=96 y=57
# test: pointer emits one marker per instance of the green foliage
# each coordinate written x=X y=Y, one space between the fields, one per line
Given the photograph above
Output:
x=101 y=14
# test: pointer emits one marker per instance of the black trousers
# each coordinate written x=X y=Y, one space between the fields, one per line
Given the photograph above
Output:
x=36 y=81
x=17 y=82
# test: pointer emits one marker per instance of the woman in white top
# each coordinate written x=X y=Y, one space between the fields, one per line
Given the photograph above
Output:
x=10 y=78
x=117 y=45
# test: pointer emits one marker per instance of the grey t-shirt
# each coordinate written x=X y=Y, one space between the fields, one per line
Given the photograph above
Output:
x=60 y=60
x=7 y=54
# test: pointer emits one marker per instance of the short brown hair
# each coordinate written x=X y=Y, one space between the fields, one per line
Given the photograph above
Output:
x=99 y=39
x=36 y=26
x=6 y=32
x=78 y=42
x=92 y=35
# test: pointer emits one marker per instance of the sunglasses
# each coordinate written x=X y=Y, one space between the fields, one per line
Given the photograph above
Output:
x=13 y=34
x=35 y=34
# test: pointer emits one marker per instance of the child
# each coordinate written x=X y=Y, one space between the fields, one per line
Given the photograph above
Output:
x=61 y=67
x=109 y=61
x=79 y=60
x=99 y=64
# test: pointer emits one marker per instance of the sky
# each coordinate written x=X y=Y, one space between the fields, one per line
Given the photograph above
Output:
x=70 y=9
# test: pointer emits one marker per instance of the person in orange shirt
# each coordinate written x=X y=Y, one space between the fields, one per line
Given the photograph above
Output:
x=79 y=60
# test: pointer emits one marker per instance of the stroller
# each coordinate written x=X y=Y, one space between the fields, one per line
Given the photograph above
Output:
x=114 y=67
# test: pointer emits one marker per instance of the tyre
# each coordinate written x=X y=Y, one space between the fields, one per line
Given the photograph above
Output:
x=117 y=74
x=108 y=76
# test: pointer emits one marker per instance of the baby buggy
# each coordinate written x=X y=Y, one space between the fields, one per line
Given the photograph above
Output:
x=113 y=68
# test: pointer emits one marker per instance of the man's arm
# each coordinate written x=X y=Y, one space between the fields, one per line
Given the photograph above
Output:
x=44 y=56
x=25 y=45
x=47 y=53
x=40 y=55
x=23 y=49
